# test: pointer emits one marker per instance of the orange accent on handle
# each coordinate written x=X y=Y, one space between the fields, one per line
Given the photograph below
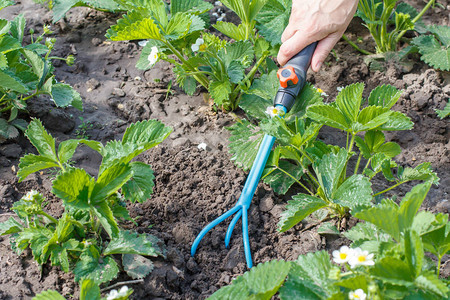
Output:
x=291 y=79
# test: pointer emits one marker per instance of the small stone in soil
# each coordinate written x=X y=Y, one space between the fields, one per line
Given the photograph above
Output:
x=96 y=41
x=118 y=92
x=92 y=84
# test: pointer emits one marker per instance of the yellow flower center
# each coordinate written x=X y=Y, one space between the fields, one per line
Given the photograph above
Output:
x=202 y=47
x=342 y=255
x=320 y=90
x=275 y=111
x=361 y=258
x=356 y=296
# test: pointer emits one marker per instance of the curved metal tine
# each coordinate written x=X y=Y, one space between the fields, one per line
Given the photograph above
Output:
x=231 y=227
x=248 y=254
x=211 y=226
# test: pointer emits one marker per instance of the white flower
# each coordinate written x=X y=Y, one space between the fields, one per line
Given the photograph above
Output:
x=217 y=3
x=30 y=195
x=342 y=255
x=202 y=146
x=358 y=294
x=123 y=291
x=361 y=258
x=340 y=88
x=273 y=111
x=199 y=45
x=112 y=295
x=222 y=16
x=322 y=93
x=153 y=56
x=143 y=43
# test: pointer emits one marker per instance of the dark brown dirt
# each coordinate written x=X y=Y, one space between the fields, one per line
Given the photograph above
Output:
x=195 y=186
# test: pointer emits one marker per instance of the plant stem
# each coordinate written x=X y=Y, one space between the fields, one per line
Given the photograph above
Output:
x=357 y=164
x=422 y=12
x=201 y=79
x=43 y=213
x=388 y=189
x=295 y=179
x=368 y=162
x=32 y=95
x=439 y=265
x=352 y=141
x=355 y=46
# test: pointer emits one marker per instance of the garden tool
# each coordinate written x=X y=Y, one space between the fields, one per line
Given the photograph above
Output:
x=292 y=78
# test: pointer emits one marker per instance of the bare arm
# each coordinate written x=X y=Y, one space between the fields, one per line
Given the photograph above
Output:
x=315 y=20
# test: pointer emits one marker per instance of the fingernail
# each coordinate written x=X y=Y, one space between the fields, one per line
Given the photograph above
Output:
x=318 y=65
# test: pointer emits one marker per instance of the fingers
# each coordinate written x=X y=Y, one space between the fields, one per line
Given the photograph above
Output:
x=292 y=46
x=323 y=49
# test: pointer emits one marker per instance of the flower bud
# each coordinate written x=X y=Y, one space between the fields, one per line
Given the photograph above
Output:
x=70 y=60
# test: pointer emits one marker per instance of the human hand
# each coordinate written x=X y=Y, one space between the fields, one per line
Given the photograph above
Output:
x=315 y=20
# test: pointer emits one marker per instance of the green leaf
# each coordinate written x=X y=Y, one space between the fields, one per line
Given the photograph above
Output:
x=132 y=27
x=438 y=240
x=371 y=117
x=37 y=63
x=384 y=95
x=397 y=121
x=144 y=63
x=10 y=226
x=442 y=32
x=242 y=51
x=192 y=6
x=5 y=3
x=66 y=149
x=261 y=282
x=110 y=181
x=403 y=22
x=64 y=95
x=265 y=87
x=31 y=163
x=410 y=204
x=178 y=26
x=355 y=191
x=362 y=232
x=106 y=218
x=8 y=43
x=414 y=252
x=421 y=172
x=235 y=71
x=297 y=209
x=254 y=106
x=89 y=290
x=349 y=101
x=10 y=82
x=329 y=170
x=306 y=98
x=98 y=269
x=74 y=187
x=60 y=7
x=429 y=281
x=136 y=266
x=328 y=228
x=244 y=143
x=392 y=269
x=18 y=27
x=273 y=19
x=49 y=295
x=140 y=186
x=36 y=238
x=445 y=112
x=354 y=282
x=432 y=52
x=41 y=140
x=278 y=180
x=129 y=242
x=231 y=30
x=327 y=115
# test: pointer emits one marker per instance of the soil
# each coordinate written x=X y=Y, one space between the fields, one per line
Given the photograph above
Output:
x=193 y=186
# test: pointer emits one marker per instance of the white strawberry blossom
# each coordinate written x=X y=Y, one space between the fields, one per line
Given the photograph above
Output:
x=360 y=258
x=143 y=43
x=340 y=88
x=199 y=45
x=30 y=195
x=273 y=111
x=322 y=92
x=342 y=255
x=153 y=56
x=114 y=294
x=358 y=294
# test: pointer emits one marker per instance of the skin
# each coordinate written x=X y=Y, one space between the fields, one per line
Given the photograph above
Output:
x=315 y=20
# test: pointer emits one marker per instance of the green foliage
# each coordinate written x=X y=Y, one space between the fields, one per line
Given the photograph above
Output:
x=225 y=69
x=387 y=260
x=261 y=282
x=91 y=205
x=387 y=22
x=320 y=169
x=25 y=72
x=445 y=112
x=435 y=48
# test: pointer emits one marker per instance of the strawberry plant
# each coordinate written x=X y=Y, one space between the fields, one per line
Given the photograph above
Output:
x=321 y=170
x=388 y=22
x=434 y=48
x=226 y=69
x=25 y=72
x=386 y=261
x=87 y=235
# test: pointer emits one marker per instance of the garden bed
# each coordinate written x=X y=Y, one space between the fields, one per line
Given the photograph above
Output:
x=193 y=186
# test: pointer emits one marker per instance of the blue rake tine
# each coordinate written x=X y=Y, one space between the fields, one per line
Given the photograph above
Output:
x=210 y=226
x=231 y=227
x=248 y=253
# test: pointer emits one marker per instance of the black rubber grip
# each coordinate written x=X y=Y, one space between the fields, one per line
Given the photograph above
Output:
x=300 y=63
